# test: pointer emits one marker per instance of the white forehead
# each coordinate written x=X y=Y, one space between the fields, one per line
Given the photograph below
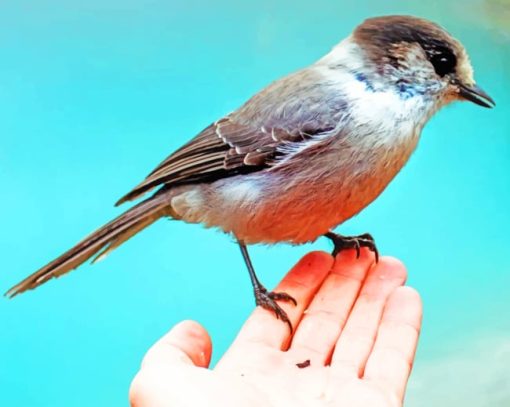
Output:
x=464 y=68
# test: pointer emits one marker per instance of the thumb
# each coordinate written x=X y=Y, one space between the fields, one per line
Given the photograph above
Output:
x=187 y=343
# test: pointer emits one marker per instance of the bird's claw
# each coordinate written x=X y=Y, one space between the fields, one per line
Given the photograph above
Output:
x=353 y=242
x=267 y=300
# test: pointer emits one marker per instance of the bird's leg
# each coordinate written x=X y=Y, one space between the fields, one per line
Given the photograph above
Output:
x=352 y=242
x=266 y=299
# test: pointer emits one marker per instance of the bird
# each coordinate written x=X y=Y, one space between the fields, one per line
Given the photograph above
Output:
x=303 y=155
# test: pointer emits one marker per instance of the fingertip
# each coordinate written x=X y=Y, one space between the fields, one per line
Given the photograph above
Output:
x=391 y=267
x=311 y=268
x=316 y=258
x=198 y=338
x=194 y=340
x=191 y=328
x=393 y=261
x=351 y=255
x=348 y=264
x=405 y=304
x=348 y=255
x=188 y=341
x=407 y=294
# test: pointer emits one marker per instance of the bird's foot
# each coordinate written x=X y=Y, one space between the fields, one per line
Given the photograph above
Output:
x=353 y=242
x=267 y=300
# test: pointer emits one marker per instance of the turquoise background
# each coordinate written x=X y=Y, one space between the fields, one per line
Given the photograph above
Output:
x=93 y=94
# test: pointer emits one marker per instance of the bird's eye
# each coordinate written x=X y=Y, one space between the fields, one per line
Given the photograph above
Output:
x=443 y=61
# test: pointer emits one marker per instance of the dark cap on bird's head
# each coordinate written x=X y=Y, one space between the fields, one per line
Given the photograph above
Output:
x=389 y=42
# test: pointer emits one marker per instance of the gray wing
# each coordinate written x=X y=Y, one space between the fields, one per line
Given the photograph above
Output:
x=251 y=139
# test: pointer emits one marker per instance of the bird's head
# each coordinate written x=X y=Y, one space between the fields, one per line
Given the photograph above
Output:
x=414 y=56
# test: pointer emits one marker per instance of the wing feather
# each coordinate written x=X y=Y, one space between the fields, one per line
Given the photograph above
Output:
x=223 y=149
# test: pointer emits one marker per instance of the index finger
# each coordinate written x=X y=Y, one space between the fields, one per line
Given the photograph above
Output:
x=301 y=282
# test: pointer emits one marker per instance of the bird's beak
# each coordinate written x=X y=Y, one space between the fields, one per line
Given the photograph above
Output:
x=476 y=95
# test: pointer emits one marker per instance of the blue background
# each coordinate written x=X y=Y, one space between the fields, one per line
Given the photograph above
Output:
x=93 y=94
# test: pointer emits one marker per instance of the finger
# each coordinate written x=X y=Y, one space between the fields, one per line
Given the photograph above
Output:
x=301 y=283
x=392 y=358
x=324 y=319
x=187 y=343
x=356 y=341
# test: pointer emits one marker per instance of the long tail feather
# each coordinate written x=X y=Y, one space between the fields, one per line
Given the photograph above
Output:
x=102 y=241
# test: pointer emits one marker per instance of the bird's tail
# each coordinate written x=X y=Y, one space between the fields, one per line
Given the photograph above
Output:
x=99 y=243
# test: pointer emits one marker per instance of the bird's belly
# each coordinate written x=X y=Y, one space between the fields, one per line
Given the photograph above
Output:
x=304 y=212
x=295 y=207
x=298 y=213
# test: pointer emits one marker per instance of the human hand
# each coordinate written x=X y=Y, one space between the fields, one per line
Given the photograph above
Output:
x=355 y=324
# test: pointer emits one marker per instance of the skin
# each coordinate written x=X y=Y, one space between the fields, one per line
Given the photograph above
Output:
x=356 y=324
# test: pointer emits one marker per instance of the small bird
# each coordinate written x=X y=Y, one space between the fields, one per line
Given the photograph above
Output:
x=303 y=155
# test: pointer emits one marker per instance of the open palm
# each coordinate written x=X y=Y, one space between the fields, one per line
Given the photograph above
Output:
x=356 y=333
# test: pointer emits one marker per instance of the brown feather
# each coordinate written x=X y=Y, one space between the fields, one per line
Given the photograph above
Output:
x=106 y=238
x=223 y=149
